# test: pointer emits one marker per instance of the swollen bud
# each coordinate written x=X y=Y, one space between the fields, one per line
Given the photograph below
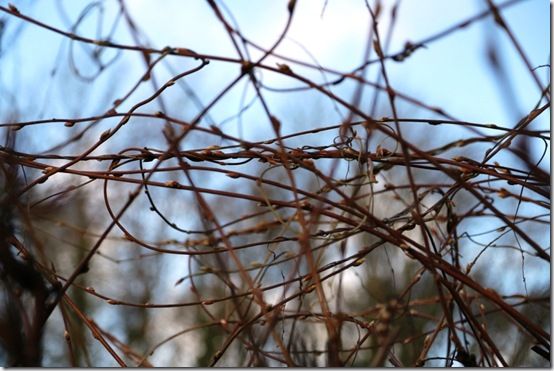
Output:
x=291 y=5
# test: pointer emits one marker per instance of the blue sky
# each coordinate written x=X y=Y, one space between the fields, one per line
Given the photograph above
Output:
x=451 y=73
